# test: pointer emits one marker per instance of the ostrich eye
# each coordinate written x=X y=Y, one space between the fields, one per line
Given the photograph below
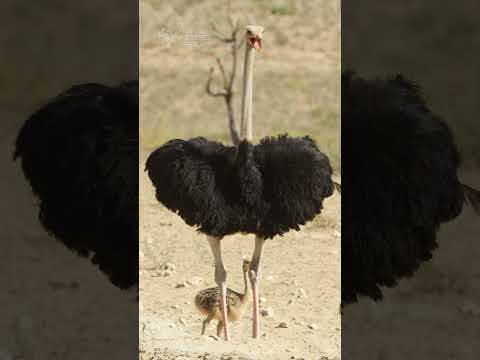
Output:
x=249 y=32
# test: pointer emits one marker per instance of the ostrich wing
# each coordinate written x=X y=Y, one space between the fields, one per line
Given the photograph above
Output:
x=79 y=154
x=400 y=178
x=196 y=178
x=296 y=180
x=117 y=161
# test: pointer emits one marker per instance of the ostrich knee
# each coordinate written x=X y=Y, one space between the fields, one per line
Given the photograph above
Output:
x=254 y=275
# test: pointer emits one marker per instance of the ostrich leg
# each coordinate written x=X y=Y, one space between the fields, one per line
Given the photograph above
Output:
x=219 y=328
x=206 y=322
x=254 y=276
x=220 y=279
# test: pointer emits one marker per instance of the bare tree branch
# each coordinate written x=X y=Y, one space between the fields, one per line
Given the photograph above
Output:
x=217 y=34
x=228 y=77
x=222 y=72
x=208 y=87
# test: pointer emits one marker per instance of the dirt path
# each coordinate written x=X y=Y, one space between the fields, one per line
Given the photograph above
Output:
x=308 y=260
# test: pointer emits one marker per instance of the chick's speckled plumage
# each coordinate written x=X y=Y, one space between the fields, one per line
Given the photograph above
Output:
x=207 y=302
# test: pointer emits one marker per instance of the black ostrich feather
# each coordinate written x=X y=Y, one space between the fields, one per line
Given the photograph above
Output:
x=79 y=153
x=400 y=183
x=266 y=189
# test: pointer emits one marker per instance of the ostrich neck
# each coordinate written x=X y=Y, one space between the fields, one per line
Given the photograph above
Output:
x=246 y=292
x=247 y=97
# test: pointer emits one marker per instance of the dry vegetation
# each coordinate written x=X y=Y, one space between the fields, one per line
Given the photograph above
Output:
x=297 y=87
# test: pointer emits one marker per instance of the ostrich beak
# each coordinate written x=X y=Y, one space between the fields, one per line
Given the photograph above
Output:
x=256 y=42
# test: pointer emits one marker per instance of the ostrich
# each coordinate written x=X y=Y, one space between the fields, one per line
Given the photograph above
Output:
x=208 y=302
x=79 y=153
x=400 y=168
x=266 y=189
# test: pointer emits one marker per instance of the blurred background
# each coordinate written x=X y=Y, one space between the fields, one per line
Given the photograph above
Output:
x=54 y=305
x=436 y=313
x=436 y=46
x=296 y=91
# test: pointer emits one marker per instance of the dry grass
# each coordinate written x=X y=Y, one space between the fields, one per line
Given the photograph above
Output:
x=297 y=76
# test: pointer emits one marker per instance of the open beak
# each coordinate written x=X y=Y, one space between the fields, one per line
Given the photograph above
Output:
x=256 y=42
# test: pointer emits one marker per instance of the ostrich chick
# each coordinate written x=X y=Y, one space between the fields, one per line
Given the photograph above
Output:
x=208 y=302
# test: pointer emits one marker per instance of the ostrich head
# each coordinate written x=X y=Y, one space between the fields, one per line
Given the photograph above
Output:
x=254 y=36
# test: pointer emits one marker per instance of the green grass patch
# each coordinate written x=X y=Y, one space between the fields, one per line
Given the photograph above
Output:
x=282 y=9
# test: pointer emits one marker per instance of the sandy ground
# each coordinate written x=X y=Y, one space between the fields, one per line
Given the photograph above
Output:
x=435 y=314
x=308 y=260
x=53 y=304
